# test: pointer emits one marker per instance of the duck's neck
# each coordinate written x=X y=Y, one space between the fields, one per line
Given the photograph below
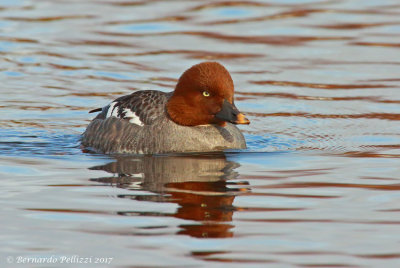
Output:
x=186 y=114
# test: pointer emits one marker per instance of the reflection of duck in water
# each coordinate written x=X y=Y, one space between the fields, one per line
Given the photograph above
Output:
x=197 y=183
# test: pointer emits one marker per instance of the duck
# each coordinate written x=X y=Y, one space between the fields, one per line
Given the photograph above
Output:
x=198 y=116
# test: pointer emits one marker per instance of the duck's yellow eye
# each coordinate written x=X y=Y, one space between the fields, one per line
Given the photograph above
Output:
x=206 y=94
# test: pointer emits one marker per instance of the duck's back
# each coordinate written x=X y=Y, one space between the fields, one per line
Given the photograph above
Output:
x=139 y=123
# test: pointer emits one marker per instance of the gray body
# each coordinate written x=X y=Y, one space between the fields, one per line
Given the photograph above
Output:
x=159 y=135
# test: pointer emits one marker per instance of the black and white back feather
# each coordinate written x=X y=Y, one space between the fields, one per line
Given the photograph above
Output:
x=140 y=108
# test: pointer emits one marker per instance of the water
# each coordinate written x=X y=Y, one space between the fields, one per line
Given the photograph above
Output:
x=317 y=187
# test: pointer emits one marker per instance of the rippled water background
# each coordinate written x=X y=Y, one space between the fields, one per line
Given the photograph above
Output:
x=319 y=185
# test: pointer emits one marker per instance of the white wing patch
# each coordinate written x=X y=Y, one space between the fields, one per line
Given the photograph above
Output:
x=133 y=118
x=112 y=110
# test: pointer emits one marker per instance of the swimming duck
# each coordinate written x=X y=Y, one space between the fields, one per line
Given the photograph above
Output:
x=198 y=116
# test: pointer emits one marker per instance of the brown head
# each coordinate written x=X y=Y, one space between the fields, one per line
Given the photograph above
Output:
x=204 y=95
